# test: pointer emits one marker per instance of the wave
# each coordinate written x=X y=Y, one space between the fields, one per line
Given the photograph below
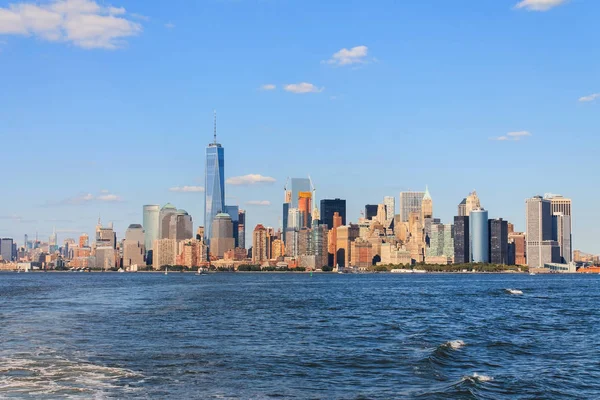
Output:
x=455 y=344
x=514 y=291
x=476 y=378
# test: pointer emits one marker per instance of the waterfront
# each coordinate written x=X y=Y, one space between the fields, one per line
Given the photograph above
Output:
x=295 y=336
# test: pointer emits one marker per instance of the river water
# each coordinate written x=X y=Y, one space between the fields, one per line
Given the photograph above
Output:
x=329 y=336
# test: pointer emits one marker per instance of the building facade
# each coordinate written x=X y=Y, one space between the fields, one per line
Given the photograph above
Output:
x=410 y=202
x=214 y=185
x=222 y=235
x=498 y=231
x=541 y=249
x=134 y=248
x=479 y=231
x=331 y=206
x=260 y=245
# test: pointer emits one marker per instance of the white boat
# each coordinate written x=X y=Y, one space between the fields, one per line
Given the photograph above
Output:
x=167 y=271
x=532 y=273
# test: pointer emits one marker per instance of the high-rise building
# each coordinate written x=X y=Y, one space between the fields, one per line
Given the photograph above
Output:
x=462 y=252
x=214 y=184
x=105 y=236
x=260 y=245
x=559 y=204
x=561 y=232
x=390 y=207
x=541 y=249
x=517 y=240
x=332 y=239
x=105 y=257
x=371 y=211
x=298 y=185
x=305 y=208
x=6 y=249
x=329 y=207
x=410 y=202
x=181 y=226
x=53 y=242
x=241 y=229
x=472 y=202
x=193 y=253
x=234 y=213
x=442 y=241
x=462 y=208
x=284 y=218
x=84 y=240
x=346 y=234
x=151 y=227
x=165 y=214
x=381 y=216
x=222 y=235
x=427 y=205
x=134 y=249
x=498 y=247
x=164 y=252
x=277 y=249
x=479 y=230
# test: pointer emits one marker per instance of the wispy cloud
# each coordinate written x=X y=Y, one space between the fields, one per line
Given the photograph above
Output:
x=355 y=55
x=169 y=25
x=16 y=219
x=88 y=198
x=512 y=136
x=187 y=189
x=539 y=5
x=83 y=23
x=268 y=86
x=250 y=179
x=590 y=97
x=302 y=88
x=262 y=203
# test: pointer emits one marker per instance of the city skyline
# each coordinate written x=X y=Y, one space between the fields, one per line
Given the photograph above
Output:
x=438 y=109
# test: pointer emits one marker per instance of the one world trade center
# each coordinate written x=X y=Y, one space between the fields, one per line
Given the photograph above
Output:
x=214 y=184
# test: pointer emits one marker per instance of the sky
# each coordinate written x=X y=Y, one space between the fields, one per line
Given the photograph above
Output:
x=107 y=106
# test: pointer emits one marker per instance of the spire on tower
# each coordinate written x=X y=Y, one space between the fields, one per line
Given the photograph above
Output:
x=215 y=129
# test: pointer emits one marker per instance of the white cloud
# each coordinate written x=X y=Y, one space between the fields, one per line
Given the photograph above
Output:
x=345 y=56
x=591 y=97
x=268 y=86
x=250 y=179
x=108 y=198
x=512 y=136
x=83 y=23
x=187 y=189
x=262 y=203
x=539 y=5
x=301 y=88
x=169 y=25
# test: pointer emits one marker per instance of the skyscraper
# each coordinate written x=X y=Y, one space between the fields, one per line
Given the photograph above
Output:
x=151 y=228
x=410 y=202
x=479 y=230
x=305 y=208
x=462 y=252
x=498 y=231
x=260 y=245
x=541 y=249
x=222 y=236
x=134 y=249
x=390 y=207
x=84 y=240
x=6 y=249
x=214 y=184
x=427 y=205
x=329 y=207
x=462 y=208
x=164 y=220
x=241 y=229
x=561 y=232
x=371 y=211
x=299 y=185
x=472 y=202
x=234 y=213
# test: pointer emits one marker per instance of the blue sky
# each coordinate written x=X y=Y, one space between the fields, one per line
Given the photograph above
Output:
x=107 y=106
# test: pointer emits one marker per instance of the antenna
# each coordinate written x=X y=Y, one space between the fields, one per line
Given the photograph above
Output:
x=215 y=132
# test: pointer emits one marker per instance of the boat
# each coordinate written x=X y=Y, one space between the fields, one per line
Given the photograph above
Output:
x=532 y=273
x=121 y=270
x=200 y=272
x=167 y=271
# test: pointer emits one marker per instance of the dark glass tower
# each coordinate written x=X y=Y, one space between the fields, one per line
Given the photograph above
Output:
x=370 y=211
x=462 y=252
x=498 y=241
x=330 y=207
x=214 y=184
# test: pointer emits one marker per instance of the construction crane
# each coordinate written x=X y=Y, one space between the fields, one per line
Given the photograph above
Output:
x=286 y=197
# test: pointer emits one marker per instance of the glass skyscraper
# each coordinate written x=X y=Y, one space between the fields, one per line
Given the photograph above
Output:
x=151 y=228
x=479 y=230
x=214 y=185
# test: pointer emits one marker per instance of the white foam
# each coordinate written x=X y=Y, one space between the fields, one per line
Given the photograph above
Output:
x=455 y=344
x=482 y=378
x=514 y=291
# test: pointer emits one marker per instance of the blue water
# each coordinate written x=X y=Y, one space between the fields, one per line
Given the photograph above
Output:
x=330 y=336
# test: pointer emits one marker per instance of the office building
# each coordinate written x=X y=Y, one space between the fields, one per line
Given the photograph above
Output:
x=105 y=236
x=284 y=218
x=426 y=205
x=346 y=234
x=331 y=206
x=561 y=233
x=371 y=211
x=53 y=242
x=305 y=208
x=6 y=249
x=164 y=252
x=410 y=202
x=214 y=185
x=134 y=249
x=441 y=242
x=518 y=244
x=498 y=247
x=277 y=249
x=541 y=249
x=390 y=207
x=381 y=216
x=479 y=231
x=84 y=240
x=222 y=235
x=472 y=202
x=298 y=185
x=242 y=229
x=462 y=208
x=105 y=257
x=194 y=253
x=559 y=204
x=260 y=245
x=166 y=212
x=234 y=213
x=462 y=249
x=151 y=227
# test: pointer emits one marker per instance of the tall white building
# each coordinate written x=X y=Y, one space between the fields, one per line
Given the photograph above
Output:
x=165 y=252
x=561 y=225
x=410 y=202
x=390 y=207
x=541 y=249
